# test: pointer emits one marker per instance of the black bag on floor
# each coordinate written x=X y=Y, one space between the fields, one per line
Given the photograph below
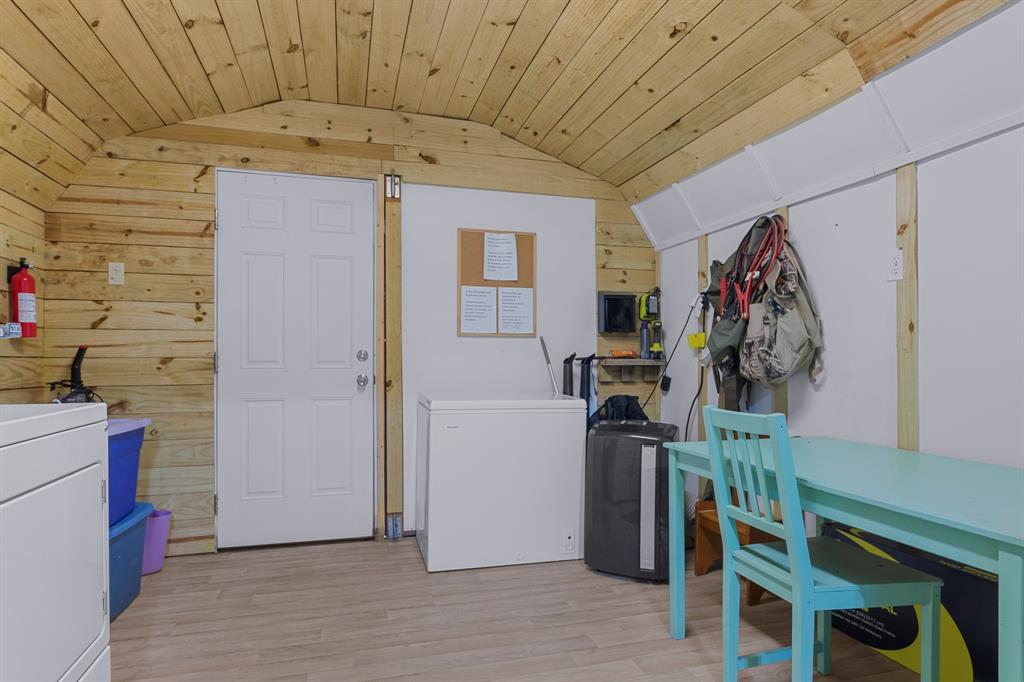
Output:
x=619 y=408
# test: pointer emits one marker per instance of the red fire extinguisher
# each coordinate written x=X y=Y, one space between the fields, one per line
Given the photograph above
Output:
x=23 y=300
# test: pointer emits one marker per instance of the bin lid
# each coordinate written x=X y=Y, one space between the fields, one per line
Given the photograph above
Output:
x=138 y=514
x=115 y=427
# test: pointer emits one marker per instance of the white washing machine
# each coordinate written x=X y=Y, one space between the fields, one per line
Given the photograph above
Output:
x=54 y=617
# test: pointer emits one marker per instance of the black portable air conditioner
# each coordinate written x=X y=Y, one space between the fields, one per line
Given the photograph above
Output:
x=626 y=498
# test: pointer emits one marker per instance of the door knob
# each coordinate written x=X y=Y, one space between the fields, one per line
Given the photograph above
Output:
x=362 y=380
x=362 y=355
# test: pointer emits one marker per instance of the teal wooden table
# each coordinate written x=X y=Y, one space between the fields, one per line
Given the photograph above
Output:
x=965 y=511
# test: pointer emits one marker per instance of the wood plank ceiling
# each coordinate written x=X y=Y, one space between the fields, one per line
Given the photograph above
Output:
x=637 y=92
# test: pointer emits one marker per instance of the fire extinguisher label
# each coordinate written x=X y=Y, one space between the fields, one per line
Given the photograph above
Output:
x=26 y=308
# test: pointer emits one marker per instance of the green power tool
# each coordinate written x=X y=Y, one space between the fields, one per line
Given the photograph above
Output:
x=650 y=312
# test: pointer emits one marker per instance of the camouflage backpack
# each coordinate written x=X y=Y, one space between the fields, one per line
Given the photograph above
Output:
x=783 y=333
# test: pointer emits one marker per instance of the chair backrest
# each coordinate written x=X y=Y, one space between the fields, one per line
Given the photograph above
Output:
x=751 y=453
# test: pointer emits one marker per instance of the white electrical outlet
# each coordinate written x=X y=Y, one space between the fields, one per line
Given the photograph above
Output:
x=895 y=273
x=569 y=540
x=115 y=274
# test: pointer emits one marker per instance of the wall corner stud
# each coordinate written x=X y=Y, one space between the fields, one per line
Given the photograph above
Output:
x=908 y=416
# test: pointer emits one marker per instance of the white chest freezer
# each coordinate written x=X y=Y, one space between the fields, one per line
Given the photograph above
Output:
x=54 y=622
x=499 y=479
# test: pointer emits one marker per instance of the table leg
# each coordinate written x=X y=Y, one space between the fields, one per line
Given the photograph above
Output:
x=676 y=547
x=1011 y=614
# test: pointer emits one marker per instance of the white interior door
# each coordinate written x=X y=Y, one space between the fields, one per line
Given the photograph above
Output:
x=295 y=450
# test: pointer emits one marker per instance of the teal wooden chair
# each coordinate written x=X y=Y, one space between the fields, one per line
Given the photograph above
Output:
x=752 y=454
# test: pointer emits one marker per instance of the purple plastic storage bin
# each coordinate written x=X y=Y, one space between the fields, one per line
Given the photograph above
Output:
x=124 y=442
x=158 y=525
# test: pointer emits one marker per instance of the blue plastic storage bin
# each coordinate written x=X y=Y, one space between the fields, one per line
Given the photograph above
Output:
x=124 y=442
x=127 y=539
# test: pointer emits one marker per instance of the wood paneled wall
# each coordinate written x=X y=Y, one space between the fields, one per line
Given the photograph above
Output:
x=21 y=360
x=147 y=200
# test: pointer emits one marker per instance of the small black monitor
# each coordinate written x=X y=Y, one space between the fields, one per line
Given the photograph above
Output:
x=616 y=313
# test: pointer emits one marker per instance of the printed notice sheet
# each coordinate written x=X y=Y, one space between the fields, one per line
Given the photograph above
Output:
x=479 y=310
x=515 y=310
x=501 y=262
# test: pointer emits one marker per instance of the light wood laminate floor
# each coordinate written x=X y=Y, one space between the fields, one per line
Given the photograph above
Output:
x=369 y=611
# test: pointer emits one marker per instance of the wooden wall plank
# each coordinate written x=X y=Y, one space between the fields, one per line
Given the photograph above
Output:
x=244 y=26
x=284 y=37
x=908 y=417
x=63 y=26
x=292 y=143
x=27 y=183
x=164 y=32
x=672 y=23
x=532 y=28
x=387 y=39
x=92 y=286
x=20 y=372
x=619 y=27
x=493 y=31
x=26 y=96
x=205 y=30
x=460 y=24
x=394 y=476
x=853 y=18
x=128 y=315
x=625 y=257
x=354 y=19
x=102 y=229
x=120 y=35
x=34 y=52
x=136 y=258
x=710 y=37
x=176 y=177
x=134 y=202
x=579 y=19
x=319 y=48
x=425 y=23
x=136 y=372
x=166 y=453
x=114 y=343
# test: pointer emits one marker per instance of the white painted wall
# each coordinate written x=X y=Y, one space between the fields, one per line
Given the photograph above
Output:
x=971 y=252
x=434 y=358
x=971 y=339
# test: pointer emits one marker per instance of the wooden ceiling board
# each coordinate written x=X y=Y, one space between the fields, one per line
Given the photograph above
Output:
x=284 y=38
x=635 y=93
x=320 y=48
x=205 y=30
x=727 y=22
x=159 y=23
x=354 y=19
x=578 y=20
x=30 y=49
x=244 y=26
x=496 y=26
x=26 y=142
x=672 y=23
x=460 y=27
x=616 y=31
x=425 y=23
x=26 y=96
x=532 y=29
x=120 y=35
x=809 y=49
x=387 y=40
x=61 y=23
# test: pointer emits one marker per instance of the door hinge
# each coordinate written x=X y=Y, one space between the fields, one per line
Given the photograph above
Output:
x=106 y=603
x=392 y=186
x=216 y=219
x=215 y=505
x=103 y=491
x=215 y=363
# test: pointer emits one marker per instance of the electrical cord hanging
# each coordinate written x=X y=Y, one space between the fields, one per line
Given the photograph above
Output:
x=689 y=413
x=682 y=332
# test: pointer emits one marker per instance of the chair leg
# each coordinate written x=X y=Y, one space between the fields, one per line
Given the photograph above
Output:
x=705 y=551
x=803 y=641
x=730 y=622
x=930 y=645
x=825 y=638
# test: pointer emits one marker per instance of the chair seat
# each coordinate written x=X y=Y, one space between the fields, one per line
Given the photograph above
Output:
x=844 y=575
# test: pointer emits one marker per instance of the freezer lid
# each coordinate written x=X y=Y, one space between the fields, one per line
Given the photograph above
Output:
x=25 y=422
x=501 y=402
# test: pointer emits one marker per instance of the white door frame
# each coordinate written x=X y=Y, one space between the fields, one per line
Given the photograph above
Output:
x=216 y=328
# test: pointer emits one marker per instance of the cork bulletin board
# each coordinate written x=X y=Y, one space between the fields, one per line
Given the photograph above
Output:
x=511 y=297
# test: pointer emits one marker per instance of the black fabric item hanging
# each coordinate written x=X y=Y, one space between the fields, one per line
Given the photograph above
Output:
x=585 y=379
x=567 y=374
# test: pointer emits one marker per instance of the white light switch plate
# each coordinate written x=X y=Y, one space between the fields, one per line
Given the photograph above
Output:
x=895 y=272
x=115 y=273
